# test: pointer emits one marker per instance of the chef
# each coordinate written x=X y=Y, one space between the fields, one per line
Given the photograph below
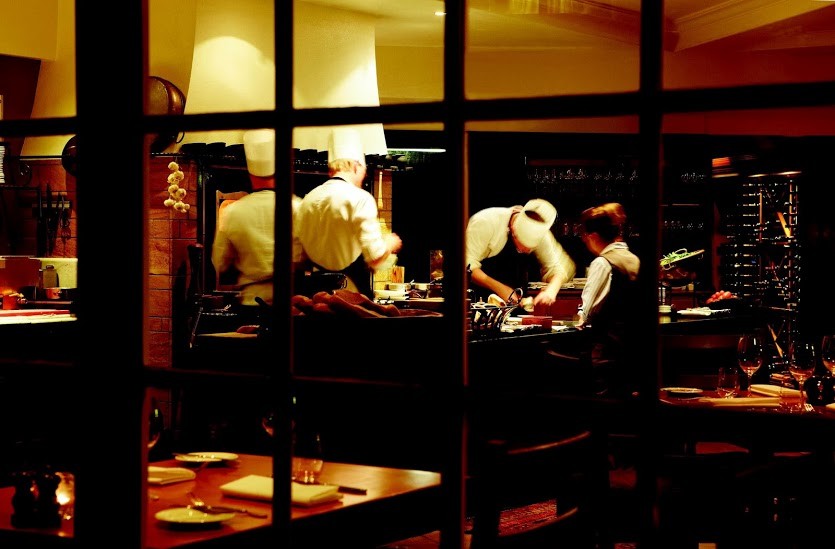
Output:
x=245 y=240
x=338 y=220
x=503 y=241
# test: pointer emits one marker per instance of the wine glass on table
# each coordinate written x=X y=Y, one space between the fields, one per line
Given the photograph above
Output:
x=828 y=353
x=749 y=355
x=156 y=425
x=307 y=459
x=802 y=359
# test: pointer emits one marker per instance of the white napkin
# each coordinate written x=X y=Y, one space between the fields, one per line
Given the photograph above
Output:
x=747 y=402
x=169 y=475
x=261 y=487
x=774 y=390
x=696 y=311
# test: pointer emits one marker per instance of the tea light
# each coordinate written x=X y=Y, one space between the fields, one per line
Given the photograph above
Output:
x=65 y=494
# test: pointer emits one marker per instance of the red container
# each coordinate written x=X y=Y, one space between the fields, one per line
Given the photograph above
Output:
x=544 y=321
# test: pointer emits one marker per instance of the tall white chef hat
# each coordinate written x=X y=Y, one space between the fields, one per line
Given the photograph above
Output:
x=534 y=222
x=259 y=147
x=345 y=144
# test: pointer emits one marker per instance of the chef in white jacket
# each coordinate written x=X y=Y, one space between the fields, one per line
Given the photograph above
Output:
x=338 y=220
x=501 y=241
x=245 y=239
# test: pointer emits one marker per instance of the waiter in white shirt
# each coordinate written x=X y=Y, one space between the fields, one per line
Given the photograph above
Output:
x=338 y=220
x=500 y=245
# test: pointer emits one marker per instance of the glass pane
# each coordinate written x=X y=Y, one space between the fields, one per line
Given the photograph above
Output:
x=531 y=48
x=38 y=207
x=572 y=163
x=751 y=195
x=37 y=65
x=219 y=54
x=410 y=51
x=364 y=53
x=718 y=44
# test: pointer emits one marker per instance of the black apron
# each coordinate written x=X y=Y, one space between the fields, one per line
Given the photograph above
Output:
x=509 y=267
x=321 y=279
x=358 y=272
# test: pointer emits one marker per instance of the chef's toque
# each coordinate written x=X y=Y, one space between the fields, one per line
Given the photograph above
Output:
x=259 y=147
x=534 y=222
x=345 y=144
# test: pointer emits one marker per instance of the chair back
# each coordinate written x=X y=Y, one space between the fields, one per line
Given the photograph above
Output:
x=541 y=493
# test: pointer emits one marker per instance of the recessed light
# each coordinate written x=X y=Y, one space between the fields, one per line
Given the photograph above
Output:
x=442 y=13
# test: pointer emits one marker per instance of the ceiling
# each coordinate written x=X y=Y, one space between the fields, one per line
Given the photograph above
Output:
x=552 y=24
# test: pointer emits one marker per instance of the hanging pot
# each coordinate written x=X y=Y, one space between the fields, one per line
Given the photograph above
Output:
x=69 y=156
x=164 y=98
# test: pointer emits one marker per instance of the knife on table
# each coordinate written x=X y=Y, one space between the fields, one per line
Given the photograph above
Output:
x=339 y=488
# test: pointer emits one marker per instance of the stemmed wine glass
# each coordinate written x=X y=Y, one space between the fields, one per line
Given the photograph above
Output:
x=828 y=353
x=268 y=422
x=749 y=355
x=802 y=359
x=156 y=425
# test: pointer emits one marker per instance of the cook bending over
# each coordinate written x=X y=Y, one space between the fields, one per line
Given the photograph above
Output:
x=505 y=243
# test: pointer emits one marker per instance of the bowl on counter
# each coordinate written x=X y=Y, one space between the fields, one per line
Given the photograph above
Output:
x=398 y=286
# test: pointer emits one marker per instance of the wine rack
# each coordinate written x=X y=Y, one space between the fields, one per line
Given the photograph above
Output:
x=761 y=259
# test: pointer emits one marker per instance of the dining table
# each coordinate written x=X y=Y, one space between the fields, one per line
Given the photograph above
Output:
x=377 y=505
x=756 y=421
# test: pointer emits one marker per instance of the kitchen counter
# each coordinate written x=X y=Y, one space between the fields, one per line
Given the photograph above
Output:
x=35 y=316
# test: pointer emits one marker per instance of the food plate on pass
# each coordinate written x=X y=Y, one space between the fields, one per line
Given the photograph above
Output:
x=206 y=457
x=682 y=392
x=186 y=516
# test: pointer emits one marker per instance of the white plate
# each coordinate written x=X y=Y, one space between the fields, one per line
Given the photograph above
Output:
x=206 y=457
x=682 y=392
x=184 y=515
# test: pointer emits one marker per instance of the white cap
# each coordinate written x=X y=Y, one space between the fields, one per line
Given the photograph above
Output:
x=534 y=222
x=345 y=144
x=259 y=147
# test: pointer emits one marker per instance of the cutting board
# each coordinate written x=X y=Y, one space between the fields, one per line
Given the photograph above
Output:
x=33 y=312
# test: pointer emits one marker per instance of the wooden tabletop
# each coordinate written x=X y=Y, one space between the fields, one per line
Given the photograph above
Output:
x=398 y=502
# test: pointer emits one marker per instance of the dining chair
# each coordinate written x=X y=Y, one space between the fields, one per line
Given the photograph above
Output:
x=534 y=493
x=562 y=481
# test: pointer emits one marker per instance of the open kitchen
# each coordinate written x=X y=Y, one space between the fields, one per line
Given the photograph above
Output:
x=659 y=178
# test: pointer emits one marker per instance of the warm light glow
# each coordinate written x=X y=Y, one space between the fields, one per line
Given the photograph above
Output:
x=418 y=150
x=721 y=162
x=442 y=13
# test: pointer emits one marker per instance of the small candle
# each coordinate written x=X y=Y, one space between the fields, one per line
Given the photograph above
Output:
x=65 y=494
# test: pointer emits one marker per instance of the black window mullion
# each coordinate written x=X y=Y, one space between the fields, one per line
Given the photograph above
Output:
x=650 y=116
x=454 y=215
x=111 y=233
x=282 y=336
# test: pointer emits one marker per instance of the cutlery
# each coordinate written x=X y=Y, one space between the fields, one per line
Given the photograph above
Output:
x=200 y=505
x=339 y=488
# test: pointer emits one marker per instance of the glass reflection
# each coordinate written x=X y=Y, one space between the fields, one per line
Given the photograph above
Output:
x=551 y=48
x=717 y=44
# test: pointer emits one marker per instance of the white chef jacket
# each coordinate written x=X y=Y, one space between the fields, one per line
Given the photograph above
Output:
x=488 y=231
x=337 y=221
x=245 y=240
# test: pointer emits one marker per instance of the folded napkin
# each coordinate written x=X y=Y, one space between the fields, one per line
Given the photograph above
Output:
x=261 y=487
x=774 y=390
x=746 y=402
x=696 y=311
x=169 y=475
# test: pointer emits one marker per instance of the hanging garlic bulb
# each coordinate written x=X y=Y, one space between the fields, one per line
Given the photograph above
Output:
x=176 y=194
